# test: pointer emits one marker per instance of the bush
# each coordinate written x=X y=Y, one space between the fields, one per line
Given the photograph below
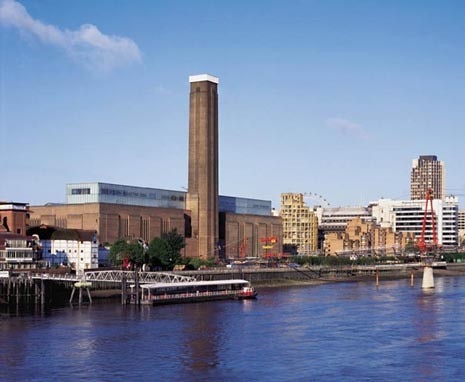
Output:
x=196 y=263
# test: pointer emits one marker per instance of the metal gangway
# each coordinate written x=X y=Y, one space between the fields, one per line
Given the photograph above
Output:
x=143 y=277
x=117 y=276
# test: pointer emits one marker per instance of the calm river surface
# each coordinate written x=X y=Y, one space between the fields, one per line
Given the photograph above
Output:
x=332 y=332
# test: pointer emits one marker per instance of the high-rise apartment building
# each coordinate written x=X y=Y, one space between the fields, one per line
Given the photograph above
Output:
x=300 y=224
x=427 y=172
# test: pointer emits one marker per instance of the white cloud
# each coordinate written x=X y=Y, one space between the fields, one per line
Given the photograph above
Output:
x=87 y=44
x=347 y=127
x=160 y=89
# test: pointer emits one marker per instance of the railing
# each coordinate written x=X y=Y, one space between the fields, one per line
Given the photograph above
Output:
x=56 y=276
x=116 y=277
x=144 y=277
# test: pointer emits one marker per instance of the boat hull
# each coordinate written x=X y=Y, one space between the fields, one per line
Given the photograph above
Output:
x=246 y=296
x=193 y=299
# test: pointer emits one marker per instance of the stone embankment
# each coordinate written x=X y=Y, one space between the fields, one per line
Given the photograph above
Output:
x=263 y=277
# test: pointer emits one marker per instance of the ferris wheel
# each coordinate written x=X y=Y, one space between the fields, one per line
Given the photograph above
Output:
x=319 y=199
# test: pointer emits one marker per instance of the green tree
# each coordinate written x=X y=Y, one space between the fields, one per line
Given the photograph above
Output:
x=118 y=251
x=165 y=251
x=124 y=249
x=410 y=247
x=137 y=254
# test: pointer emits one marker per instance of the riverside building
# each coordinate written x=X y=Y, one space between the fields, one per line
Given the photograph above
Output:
x=212 y=225
x=366 y=238
x=407 y=216
x=76 y=248
x=115 y=211
x=461 y=227
x=300 y=224
x=335 y=220
x=14 y=217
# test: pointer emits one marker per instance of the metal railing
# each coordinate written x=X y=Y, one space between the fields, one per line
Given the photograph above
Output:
x=144 y=277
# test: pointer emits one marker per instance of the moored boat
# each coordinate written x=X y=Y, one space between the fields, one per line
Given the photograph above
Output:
x=195 y=291
x=247 y=293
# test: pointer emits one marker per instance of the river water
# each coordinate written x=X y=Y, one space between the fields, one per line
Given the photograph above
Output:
x=330 y=332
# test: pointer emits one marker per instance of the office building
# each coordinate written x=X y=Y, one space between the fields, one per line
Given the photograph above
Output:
x=461 y=227
x=407 y=216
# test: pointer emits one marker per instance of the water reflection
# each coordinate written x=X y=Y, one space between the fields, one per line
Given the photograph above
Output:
x=428 y=345
x=202 y=336
x=12 y=349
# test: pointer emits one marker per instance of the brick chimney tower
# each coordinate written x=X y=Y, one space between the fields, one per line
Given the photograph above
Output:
x=202 y=194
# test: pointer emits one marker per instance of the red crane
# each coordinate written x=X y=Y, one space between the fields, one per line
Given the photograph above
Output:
x=422 y=245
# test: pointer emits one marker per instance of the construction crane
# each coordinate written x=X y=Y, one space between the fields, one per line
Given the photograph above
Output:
x=422 y=245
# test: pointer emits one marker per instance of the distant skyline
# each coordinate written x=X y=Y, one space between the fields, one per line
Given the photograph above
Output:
x=334 y=98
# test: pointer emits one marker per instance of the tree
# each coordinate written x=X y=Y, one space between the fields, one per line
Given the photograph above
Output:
x=137 y=254
x=123 y=249
x=118 y=251
x=165 y=251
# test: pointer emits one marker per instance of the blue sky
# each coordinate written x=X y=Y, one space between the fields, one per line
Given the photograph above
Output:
x=328 y=97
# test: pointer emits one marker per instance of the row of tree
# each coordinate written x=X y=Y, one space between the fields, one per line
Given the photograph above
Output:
x=162 y=252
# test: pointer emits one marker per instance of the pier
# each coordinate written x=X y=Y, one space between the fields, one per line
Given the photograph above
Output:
x=32 y=288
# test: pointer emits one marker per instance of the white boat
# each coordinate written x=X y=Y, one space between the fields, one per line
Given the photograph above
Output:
x=195 y=291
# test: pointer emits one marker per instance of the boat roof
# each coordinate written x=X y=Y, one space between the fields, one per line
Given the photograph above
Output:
x=193 y=284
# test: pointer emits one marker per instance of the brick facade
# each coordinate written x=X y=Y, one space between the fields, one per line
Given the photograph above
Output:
x=112 y=221
x=238 y=229
x=362 y=237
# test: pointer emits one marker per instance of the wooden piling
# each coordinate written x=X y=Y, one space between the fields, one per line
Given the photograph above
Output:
x=17 y=293
x=137 y=296
x=8 y=291
x=123 y=290
x=42 y=292
x=89 y=296
x=72 y=295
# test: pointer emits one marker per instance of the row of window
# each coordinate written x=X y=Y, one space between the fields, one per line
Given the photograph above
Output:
x=16 y=254
x=135 y=194
x=80 y=191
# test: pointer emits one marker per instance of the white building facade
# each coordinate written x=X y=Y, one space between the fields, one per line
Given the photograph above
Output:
x=461 y=227
x=407 y=216
x=79 y=255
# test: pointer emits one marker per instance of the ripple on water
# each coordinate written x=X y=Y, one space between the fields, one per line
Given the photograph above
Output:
x=346 y=331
